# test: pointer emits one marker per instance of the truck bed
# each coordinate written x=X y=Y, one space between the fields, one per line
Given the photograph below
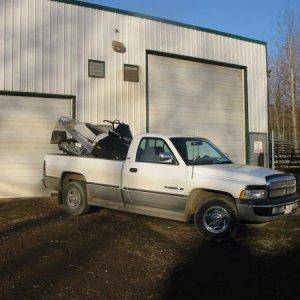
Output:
x=95 y=170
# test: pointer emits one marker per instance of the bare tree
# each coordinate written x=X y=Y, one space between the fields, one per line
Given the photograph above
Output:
x=285 y=75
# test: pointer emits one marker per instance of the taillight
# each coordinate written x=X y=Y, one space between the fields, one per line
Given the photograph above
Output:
x=44 y=168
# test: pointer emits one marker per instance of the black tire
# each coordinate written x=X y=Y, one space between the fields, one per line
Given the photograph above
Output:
x=216 y=218
x=78 y=204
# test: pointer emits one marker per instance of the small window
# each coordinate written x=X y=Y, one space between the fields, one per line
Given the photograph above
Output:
x=96 y=69
x=131 y=73
x=150 y=148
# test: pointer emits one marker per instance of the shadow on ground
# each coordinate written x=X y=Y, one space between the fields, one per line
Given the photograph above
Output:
x=112 y=255
x=232 y=271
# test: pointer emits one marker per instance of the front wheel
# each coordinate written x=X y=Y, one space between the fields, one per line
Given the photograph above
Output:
x=216 y=218
x=74 y=198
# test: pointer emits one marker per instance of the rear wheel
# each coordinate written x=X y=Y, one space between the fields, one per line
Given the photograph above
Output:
x=74 y=198
x=216 y=218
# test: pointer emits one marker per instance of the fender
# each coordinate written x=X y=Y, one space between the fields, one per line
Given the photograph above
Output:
x=198 y=195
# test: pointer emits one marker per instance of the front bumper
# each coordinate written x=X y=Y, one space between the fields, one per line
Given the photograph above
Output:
x=260 y=211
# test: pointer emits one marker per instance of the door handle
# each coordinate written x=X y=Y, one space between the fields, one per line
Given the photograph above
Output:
x=133 y=170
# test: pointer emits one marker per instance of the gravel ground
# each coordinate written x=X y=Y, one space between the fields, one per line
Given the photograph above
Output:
x=44 y=253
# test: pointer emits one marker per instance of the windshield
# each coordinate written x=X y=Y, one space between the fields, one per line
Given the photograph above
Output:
x=196 y=151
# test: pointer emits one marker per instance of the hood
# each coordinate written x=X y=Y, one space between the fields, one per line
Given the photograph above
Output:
x=252 y=175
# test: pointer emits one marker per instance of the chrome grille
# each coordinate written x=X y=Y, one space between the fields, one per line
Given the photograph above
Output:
x=281 y=186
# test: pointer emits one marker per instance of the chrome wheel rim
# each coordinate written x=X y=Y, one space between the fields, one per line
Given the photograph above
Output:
x=216 y=219
x=73 y=198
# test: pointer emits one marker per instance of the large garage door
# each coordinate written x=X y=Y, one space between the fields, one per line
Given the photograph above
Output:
x=190 y=97
x=26 y=124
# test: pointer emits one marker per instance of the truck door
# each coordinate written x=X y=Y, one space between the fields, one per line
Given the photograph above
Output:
x=150 y=182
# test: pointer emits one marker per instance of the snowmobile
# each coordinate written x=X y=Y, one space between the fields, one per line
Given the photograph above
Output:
x=85 y=139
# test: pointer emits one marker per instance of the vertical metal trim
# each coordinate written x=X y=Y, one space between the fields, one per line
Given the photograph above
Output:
x=268 y=111
x=273 y=150
x=74 y=108
x=247 y=134
x=147 y=92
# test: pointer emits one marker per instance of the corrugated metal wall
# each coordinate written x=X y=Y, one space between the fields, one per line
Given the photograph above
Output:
x=45 y=47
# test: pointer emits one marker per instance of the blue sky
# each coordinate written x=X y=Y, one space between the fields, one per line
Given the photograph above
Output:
x=255 y=19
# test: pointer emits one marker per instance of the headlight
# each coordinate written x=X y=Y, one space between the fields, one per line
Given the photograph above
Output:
x=253 y=194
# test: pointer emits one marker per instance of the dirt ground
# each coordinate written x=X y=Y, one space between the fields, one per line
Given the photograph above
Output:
x=44 y=253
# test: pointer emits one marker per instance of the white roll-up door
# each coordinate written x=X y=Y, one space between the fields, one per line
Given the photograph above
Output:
x=26 y=124
x=190 y=97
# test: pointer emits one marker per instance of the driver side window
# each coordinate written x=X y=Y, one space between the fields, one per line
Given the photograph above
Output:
x=150 y=148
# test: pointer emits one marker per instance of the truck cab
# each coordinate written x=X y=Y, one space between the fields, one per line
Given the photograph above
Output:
x=176 y=177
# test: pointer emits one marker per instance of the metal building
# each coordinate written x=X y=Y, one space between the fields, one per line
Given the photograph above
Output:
x=65 y=57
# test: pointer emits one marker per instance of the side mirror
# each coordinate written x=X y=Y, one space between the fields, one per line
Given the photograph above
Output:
x=227 y=155
x=166 y=158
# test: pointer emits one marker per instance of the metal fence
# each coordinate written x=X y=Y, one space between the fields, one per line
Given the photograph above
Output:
x=284 y=157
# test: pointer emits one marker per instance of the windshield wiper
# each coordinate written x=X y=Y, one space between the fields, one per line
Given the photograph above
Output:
x=211 y=162
x=207 y=162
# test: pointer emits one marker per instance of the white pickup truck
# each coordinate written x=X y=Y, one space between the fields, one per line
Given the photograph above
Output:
x=175 y=177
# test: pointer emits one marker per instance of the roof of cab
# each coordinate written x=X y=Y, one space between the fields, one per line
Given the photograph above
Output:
x=176 y=135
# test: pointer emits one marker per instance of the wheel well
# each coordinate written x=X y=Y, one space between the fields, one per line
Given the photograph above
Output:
x=67 y=177
x=70 y=176
x=198 y=195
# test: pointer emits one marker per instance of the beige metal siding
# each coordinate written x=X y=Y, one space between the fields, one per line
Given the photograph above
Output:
x=197 y=98
x=45 y=47
x=25 y=130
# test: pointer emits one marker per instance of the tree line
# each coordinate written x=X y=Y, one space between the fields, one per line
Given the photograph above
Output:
x=284 y=77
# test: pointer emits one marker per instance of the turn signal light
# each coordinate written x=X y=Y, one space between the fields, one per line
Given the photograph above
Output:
x=253 y=194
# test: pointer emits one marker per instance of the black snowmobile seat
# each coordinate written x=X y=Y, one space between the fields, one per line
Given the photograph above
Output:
x=98 y=129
